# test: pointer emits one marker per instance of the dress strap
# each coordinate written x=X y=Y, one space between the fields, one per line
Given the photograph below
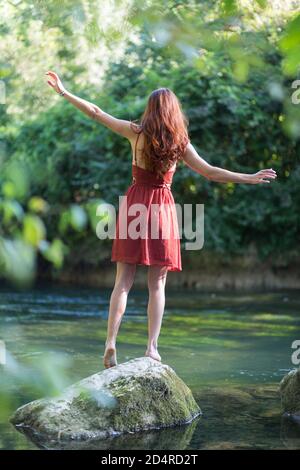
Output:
x=135 y=148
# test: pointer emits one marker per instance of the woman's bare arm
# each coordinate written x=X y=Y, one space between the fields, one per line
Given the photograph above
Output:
x=120 y=126
x=220 y=175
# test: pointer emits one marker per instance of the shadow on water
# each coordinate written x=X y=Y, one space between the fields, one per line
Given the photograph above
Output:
x=231 y=349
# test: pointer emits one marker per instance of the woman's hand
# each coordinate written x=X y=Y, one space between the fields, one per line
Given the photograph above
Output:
x=262 y=176
x=55 y=82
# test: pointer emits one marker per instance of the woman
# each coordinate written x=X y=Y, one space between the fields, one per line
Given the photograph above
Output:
x=163 y=140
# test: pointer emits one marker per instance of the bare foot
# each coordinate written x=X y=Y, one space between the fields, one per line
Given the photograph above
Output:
x=153 y=353
x=110 y=357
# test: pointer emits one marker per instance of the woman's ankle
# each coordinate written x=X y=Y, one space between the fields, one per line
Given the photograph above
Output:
x=152 y=346
x=153 y=353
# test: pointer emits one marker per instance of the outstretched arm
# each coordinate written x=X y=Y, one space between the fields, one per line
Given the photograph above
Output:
x=220 y=175
x=120 y=126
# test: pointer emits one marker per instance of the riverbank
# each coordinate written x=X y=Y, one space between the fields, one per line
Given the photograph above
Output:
x=200 y=270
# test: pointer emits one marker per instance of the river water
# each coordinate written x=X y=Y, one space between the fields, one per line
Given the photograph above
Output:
x=232 y=349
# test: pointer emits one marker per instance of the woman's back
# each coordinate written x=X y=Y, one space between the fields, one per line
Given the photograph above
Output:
x=137 y=153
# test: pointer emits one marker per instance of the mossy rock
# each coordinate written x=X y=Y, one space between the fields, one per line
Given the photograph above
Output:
x=137 y=395
x=290 y=394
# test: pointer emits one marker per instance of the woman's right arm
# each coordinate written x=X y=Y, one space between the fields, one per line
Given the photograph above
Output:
x=220 y=175
x=120 y=126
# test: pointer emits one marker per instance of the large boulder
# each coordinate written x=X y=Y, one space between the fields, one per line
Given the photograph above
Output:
x=290 y=394
x=137 y=395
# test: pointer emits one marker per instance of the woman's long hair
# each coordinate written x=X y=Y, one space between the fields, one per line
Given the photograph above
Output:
x=164 y=126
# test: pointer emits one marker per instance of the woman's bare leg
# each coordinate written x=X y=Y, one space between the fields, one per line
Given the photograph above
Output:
x=157 y=276
x=118 y=301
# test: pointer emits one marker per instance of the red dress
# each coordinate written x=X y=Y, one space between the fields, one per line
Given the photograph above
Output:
x=148 y=234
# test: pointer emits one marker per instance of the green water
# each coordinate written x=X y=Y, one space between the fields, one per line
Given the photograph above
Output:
x=231 y=349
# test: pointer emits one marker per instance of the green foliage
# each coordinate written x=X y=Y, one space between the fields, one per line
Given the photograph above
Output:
x=289 y=44
x=233 y=75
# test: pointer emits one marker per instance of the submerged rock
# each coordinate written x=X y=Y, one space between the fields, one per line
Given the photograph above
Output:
x=290 y=394
x=137 y=395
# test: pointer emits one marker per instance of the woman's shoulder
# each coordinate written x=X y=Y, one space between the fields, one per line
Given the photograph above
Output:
x=136 y=127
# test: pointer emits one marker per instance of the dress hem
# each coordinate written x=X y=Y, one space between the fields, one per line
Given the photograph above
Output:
x=158 y=263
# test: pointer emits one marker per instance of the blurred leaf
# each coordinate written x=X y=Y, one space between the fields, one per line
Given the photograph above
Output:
x=9 y=189
x=17 y=261
x=64 y=221
x=276 y=91
x=34 y=230
x=78 y=218
x=17 y=180
x=54 y=252
x=291 y=36
x=74 y=217
x=290 y=46
x=10 y=210
x=37 y=204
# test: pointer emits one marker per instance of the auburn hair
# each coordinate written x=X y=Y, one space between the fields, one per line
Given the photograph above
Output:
x=164 y=126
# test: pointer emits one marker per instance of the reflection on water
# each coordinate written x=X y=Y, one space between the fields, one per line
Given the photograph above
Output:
x=231 y=349
x=177 y=438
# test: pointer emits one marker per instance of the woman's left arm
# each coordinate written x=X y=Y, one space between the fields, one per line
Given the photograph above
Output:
x=120 y=126
x=220 y=175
